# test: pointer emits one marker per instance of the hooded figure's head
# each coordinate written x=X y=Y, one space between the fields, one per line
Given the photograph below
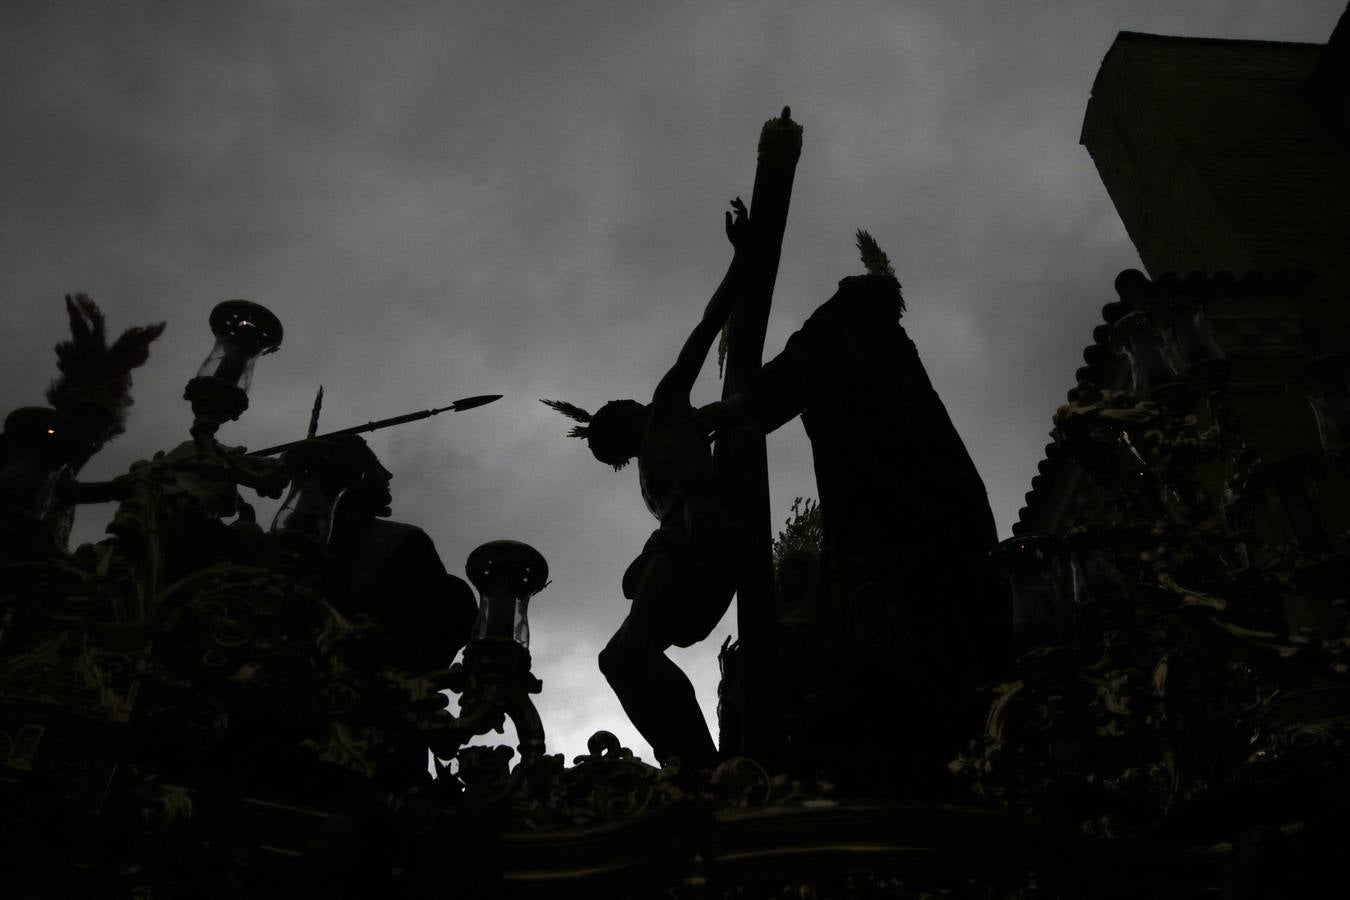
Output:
x=879 y=285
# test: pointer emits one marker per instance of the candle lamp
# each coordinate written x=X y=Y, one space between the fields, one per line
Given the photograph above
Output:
x=494 y=680
x=244 y=331
x=1134 y=336
x=506 y=574
x=1188 y=344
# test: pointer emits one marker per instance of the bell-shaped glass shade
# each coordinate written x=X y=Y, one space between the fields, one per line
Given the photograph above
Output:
x=506 y=575
x=1135 y=337
x=309 y=507
x=244 y=331
x=39 y=446
x=323 y=472
x=1188 y=344
x=1325 y=384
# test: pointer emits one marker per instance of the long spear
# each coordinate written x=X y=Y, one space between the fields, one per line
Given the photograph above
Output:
x=457 y=406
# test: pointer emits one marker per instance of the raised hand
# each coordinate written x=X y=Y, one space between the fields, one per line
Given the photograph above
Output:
x=738 y=225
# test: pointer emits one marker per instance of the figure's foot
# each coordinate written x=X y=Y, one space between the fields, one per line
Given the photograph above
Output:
x=692 y=777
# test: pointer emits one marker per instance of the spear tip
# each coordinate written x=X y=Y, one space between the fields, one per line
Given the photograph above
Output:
x=314 y=413
x=471 y=402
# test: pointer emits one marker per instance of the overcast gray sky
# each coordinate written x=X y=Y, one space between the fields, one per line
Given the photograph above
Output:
x=443 y=199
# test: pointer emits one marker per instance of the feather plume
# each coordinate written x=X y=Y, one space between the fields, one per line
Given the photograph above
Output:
x=877 y=263
x=92 y=373
x=573 y=412
x=873 y=257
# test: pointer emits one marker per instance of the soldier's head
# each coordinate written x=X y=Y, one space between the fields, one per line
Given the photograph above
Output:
x=614 y=433
x=370 y=496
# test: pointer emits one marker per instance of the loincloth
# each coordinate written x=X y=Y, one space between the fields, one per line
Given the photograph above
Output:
x=707 y=548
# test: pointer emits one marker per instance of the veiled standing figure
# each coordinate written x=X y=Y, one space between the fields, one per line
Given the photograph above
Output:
x=682 y=582
x=914 y=621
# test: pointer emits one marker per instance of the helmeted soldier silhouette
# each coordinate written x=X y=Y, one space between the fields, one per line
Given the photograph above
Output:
x=391 y=572
x=682 y=582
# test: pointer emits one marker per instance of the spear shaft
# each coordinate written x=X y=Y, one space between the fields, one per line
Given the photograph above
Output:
x=466 y=403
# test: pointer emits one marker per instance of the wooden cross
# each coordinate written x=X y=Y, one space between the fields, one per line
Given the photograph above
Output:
x=741 y=461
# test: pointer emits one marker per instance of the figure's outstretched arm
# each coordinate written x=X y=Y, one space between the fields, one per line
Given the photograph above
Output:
x=779 y=392
x=727 y=414
x=679 y=381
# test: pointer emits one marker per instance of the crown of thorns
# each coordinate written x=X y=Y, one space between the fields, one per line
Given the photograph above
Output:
x=573 y=412
x=585 y=429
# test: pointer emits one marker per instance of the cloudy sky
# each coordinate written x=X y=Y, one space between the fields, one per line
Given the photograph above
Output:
x=445 y=199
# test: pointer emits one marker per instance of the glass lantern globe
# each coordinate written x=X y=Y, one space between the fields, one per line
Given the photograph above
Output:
x=244 y=331
x=1188 y=343
x=1134 y=337
x=506 y=575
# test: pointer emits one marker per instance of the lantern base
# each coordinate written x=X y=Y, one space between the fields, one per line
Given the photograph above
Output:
x=214 y=401
x=494 y=683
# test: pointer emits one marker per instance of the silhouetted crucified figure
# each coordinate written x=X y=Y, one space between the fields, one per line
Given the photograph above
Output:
x=682 y=582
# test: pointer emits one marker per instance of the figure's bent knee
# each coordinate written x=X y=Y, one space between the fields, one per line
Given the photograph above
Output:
x=614 y=660
x=624 y=655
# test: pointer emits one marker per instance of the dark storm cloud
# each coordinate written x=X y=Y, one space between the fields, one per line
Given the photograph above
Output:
x=450 y=199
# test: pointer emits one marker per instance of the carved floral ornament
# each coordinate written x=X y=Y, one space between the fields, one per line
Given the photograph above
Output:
x=170 y=720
